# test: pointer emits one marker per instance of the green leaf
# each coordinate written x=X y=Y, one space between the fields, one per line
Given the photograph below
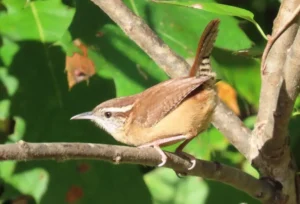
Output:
x=248 y=168
x=14 y=6
x=294 y=131
x=67 y=44
x=10 y=83
x=243 y=73
x=221 y=9
x=207 y=143
x=8 y=51
x=4 y=109
x=250 y=122
x=182 y=33
x=45 y=21
x=19 y=130
x=124 y=62
x=296 y=110
x=32 y=182
x=165 y=187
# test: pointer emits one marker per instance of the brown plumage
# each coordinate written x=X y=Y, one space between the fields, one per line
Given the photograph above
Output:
x=174 y=110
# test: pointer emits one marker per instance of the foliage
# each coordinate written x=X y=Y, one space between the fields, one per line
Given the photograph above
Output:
x=35 y=98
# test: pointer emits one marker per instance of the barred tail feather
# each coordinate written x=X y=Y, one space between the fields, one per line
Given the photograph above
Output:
x=201 y=65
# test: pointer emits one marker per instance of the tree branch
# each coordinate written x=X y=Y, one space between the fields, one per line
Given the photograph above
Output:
x=23 y=151
x=237 y=133
x=174 y=65
x=280 y=87
x=272 y=39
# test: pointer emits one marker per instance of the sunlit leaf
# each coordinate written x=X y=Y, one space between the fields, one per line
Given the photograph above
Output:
x=31 y=182
x=221 y=9
x=39 y=20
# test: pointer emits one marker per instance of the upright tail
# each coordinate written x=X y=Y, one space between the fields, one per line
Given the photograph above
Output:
x=201 y=66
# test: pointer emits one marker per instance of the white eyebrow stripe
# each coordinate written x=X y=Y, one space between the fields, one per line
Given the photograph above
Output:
x=119 y=109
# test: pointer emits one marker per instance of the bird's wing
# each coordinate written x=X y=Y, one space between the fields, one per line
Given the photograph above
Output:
x=158 y=101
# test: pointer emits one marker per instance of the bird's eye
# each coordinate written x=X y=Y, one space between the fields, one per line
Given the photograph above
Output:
x=107 y=114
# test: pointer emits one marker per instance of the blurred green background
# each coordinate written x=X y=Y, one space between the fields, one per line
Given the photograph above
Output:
x=36 y=101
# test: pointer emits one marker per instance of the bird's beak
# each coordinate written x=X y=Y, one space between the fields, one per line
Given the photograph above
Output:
x=83 y=116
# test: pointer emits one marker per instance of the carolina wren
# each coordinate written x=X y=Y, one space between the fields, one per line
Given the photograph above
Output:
x=175 y=110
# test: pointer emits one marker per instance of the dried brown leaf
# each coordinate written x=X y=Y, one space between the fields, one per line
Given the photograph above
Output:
x=79 y=66
x=228 y=95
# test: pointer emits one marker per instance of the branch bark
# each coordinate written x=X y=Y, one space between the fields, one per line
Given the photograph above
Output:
x=233 y=129
x=280 y=87
x=23 y=151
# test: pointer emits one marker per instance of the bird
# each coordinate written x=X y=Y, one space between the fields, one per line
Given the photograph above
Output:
x=175 y=110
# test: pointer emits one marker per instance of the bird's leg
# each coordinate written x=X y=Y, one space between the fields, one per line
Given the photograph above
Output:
x=180 y=152
x=156 y=145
